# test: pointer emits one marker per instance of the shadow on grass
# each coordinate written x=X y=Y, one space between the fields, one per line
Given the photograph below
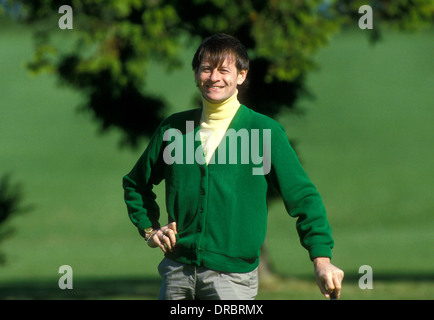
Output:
x=110 y=288
x=142 y=288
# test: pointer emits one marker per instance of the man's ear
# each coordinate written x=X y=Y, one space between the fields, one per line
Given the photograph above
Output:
x=241 y=77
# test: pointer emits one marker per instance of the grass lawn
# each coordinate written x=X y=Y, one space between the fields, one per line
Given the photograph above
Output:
x=366 y=141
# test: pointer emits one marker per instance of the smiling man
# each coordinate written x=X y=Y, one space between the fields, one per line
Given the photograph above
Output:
x=219 y=73
x=217 y=209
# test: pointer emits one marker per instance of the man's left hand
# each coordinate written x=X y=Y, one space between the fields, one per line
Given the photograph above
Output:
x=328 y=277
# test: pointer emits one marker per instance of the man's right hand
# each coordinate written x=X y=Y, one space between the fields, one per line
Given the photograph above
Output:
x=164 y=238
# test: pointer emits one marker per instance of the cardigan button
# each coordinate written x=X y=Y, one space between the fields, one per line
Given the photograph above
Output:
x=201 y=210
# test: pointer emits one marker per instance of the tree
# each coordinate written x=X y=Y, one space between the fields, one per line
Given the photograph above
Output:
x=115 y=42
x=10 y=205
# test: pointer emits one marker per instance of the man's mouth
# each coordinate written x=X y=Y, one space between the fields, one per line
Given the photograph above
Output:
x=215 y=87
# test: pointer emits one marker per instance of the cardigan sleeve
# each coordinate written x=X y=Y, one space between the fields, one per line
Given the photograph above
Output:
x=300 y=196
x=142 y=207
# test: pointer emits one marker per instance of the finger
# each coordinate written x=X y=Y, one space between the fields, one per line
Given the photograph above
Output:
x=336 y=292
x=155 y=242
x=337 y=280
x=322 y=288
x=327 y=287
x=159 y=241
x=172 y=226
x=330 y=286
x=171 y=235
x=166 y=242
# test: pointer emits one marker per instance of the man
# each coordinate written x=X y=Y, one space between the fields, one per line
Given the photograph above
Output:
x=218 y=162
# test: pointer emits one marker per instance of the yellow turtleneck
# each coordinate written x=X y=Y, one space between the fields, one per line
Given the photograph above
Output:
x=214 y=122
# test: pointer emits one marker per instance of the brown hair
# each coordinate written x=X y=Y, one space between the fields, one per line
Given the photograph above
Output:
x=217 y=48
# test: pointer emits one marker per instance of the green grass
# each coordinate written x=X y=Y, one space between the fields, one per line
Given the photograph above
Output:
x=365 y=141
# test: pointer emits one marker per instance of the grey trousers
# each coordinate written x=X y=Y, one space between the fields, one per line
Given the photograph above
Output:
x=189 y=282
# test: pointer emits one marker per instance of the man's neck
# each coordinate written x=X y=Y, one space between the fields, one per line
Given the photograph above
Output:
x=220 y=110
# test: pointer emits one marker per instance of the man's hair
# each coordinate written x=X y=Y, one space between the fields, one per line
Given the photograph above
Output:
x=217 y=48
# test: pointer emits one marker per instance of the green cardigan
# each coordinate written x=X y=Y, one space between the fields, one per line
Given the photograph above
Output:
x=221 y=208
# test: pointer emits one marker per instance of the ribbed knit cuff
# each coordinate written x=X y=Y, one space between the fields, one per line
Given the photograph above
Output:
x=320 y=251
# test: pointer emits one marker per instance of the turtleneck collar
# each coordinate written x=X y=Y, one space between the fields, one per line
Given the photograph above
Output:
x=220 y=110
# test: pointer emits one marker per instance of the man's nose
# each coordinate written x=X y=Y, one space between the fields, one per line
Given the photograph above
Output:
x=214 y=76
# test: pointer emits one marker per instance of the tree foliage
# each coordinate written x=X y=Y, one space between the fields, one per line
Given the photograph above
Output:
x=11 y=204
x=115 y=41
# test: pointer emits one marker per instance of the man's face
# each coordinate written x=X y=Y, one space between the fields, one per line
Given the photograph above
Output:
x=219 y=83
